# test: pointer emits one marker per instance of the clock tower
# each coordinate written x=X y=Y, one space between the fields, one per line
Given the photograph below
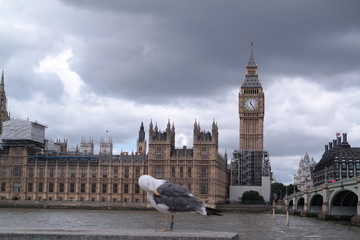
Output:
x=251 y=108
x=250 y=166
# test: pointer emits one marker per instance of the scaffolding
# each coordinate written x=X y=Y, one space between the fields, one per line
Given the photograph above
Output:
x=18 y=129
x=248 y=168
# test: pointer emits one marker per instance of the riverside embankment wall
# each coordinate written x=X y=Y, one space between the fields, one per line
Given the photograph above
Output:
x=110 y=234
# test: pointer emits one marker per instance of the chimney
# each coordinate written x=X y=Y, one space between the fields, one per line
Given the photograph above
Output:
x=338 y=141
x=345 y=143
x=330 y=145
x=184 y=147
x=326 y=147
x=345 y=138
x=334 y=143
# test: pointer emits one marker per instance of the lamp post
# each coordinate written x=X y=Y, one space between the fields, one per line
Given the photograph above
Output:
x=325 y=169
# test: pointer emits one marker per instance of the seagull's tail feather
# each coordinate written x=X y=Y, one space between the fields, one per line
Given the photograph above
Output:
x=211 y=211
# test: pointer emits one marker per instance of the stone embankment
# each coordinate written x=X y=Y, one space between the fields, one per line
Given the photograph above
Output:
x=243 y=208
x=72 y=205
x=110 y=234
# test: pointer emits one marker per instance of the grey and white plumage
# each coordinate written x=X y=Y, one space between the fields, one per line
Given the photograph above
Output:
x=170 y=198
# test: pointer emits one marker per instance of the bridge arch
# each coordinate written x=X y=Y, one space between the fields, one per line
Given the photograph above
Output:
x=290 y=205
x=343 y=202
x=300 y=204
x=315 y=203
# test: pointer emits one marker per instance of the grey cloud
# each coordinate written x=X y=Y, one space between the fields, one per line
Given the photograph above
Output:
x=196 y=44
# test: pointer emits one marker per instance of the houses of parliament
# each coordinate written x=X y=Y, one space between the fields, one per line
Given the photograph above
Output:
x=33 y=168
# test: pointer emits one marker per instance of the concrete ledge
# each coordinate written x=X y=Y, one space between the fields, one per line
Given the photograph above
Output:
x=109 y=234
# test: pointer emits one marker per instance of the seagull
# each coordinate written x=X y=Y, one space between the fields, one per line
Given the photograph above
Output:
x=170 y=198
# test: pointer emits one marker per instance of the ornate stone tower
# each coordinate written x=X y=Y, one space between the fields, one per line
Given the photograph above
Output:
x=4 y=115
x=106 y=147
x=251 y=108
x=87 y=147
x=250 y=166
x=63 y=145
x=205 y=143
x=201 y=169
x=161 y=148
x=162 y=142
x=141 y=142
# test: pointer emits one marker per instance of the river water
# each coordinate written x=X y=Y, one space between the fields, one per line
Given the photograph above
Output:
x=249 y=226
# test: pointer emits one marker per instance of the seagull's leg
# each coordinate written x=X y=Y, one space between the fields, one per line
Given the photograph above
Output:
x=166 y=222
x=172 y=222
x=165 y=229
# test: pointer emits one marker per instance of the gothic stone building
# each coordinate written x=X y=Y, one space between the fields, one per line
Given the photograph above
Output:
x=304 y=178
x=33 y=168
x=339 y=161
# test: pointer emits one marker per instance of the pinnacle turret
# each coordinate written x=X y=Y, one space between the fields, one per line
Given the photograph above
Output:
x=251 y=76
x=4 y=115
x=251 y=62
x=2 y=87
x=141 y=133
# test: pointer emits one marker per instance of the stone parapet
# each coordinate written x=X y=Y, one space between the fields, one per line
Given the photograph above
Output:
x=73 y=205
x=110 y=234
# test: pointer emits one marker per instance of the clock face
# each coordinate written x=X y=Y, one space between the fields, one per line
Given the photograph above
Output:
x=251 y=104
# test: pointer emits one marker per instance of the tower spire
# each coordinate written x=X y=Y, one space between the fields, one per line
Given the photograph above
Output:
x=141 y=143
x=2 y=82
x=141 y=133
x=251 y=75
x=251 y=62
x=4 y=115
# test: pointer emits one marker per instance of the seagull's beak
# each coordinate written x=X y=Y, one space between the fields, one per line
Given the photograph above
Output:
x=156 y=193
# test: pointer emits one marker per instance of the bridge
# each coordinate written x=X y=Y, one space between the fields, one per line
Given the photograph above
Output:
x=337 y=200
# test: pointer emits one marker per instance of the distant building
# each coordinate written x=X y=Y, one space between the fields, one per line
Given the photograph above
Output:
x=250 y=166
x=339 y=161
x=304 y=177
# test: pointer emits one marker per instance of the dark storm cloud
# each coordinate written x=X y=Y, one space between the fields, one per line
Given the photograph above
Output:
x=199 y=48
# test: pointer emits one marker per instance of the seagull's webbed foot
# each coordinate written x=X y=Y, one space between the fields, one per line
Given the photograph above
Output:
x=164 y=230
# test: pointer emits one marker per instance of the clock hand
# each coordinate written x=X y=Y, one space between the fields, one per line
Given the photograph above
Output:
x=252 y=105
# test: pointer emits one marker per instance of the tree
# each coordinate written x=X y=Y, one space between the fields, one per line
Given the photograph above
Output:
x=290 y=189
x=252 y=197
x=279 y=190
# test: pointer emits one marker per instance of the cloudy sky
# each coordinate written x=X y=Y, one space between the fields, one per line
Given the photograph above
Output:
x=99 y=68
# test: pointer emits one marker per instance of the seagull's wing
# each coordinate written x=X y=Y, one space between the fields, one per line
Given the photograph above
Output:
x=178 y=198
x=171 y=189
